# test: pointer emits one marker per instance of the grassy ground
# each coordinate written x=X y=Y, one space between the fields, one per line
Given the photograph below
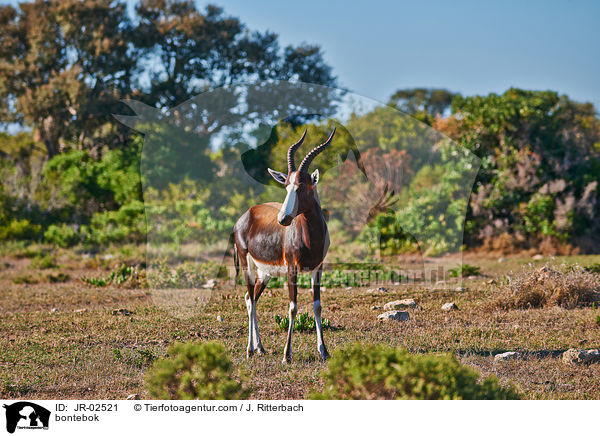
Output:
x=61 y=338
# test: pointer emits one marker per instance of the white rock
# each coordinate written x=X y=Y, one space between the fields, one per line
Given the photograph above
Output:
x=219 y=318
x=449 y=306
x=460 y=289
x=108 y=257
x=394 y=315
x=379 y=290
x=80 y=311
x=538 y=257
x=133 y=397
x=577 y=356
x=210 y=283
x=407 y=303
x=509 y=355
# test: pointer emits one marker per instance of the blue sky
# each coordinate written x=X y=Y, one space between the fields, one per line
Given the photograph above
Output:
x=471 y=47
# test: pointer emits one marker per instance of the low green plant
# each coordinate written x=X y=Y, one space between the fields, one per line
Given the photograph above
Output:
x=25 y=279
x=124 y=275
x=594 y=308
x=593 y=268
x=195 y=371
x=365 y=371
x=465 y=270
x=303 y=323
x=99 y=282
x=45 y=262
x=59 y=278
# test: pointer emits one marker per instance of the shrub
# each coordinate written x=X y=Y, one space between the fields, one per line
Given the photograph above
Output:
x=194 y=371
x=44 y=262
x=62 y=235
x=19 y=229
x=123 y=276
x=593 y=268
x=128 y=224
x=362 y=371
x=465 y=270
x=547 y=287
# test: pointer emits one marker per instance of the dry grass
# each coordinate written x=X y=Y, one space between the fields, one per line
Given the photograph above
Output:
x=69 y=340
x=543 y=287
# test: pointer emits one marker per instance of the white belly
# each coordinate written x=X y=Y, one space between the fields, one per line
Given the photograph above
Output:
x=264 y=270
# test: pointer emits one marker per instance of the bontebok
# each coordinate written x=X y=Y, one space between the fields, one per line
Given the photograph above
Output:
x=274 y=238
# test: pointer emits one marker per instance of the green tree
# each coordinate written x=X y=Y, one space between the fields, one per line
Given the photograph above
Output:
x=425 y=104
x=540 y=165
x=63 y=67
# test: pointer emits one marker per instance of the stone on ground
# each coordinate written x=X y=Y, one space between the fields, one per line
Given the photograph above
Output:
x=394 y=315
x=579 y=357
x=509 y=355
x=407 y=303
x=450 y=306
x=379 y=290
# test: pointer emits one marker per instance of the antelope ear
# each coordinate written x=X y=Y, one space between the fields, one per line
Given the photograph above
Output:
x=279 y=177
x=315 y=177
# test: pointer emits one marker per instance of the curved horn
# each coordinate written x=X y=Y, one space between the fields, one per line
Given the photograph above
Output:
x=314 y=152
x=291 y=151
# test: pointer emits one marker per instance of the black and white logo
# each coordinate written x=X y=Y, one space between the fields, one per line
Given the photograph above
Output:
x=26 y=415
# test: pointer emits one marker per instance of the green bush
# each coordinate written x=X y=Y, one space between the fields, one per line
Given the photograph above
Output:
x=362 y=371
x=465 y=270
x=62 y=235
x=128 y=224
x=194 y=371
x=44 y=262
x=19 y=229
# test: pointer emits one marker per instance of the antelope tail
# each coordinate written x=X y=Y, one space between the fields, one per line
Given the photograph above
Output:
x=236 y=263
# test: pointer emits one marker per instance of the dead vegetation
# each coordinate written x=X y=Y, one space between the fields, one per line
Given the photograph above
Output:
x=70 y=340
x=543 y=287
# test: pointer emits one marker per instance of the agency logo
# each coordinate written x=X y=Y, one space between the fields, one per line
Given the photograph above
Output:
x=26 y=415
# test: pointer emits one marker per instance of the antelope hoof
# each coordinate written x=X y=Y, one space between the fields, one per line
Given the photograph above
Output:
x=249 y=353
x=261 y=351
x=324 y=353
x=286 y=360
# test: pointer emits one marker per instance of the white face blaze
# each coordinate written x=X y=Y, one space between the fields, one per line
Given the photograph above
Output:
x=290 y=205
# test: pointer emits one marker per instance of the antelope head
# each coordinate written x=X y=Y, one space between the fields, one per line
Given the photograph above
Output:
x=301 y=187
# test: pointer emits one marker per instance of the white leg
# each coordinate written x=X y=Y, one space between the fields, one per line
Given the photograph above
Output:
x=287 y=352
x=257 y=343
x=251 y=310
x=264 y=280
x=315 y=282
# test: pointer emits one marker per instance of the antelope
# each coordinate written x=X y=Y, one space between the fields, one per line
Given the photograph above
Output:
x=274 y=239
